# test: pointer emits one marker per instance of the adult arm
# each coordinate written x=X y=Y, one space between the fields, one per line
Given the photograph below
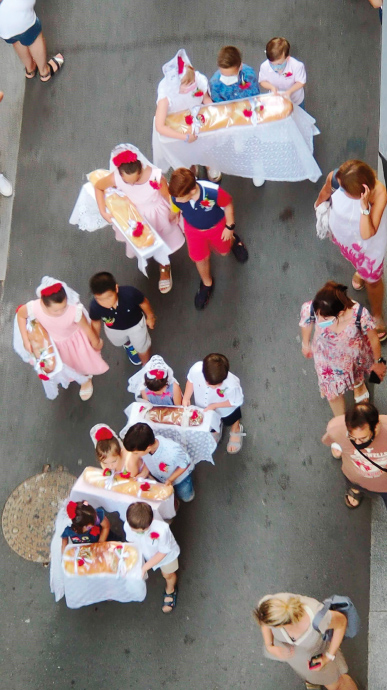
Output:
x=22 y=315
x=162 y=128
x=339 y=625
x=369 y=225
x=187 y=394
x=149 y=313
x=105 y=528
x=279 y=652
x=306 y=336
x=95 y=341
x=326 y=191
x=100 y=188
x=378 y=368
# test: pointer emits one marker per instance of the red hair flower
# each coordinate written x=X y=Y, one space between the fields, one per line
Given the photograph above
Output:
x=125 y=474
x=43 y=377
x=247 y=112
x=198 y=93
x=145 y=486
x=288 y=74
x=154 y=535
x=157 y=373
x=138 y=230
x=95 y=531
x=51 y=290
x=71 y=509
x=188 y=120
x=154 y=184
x=103 y=434
x=124 y=157
x=163 y=466
x=245 y=85
x=107 y=473
x=80 y=561
x=180 y=64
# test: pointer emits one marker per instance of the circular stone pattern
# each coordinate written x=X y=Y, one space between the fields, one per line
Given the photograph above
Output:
x=29 y=514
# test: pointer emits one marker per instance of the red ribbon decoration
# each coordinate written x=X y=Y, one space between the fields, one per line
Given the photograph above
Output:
x=51 y=290
x=71 y=509
x=180 y=64
x=158 y=374
x=103 y=434
x=124 y=157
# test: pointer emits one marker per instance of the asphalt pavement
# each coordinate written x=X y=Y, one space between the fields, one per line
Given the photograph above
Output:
x=271 y=518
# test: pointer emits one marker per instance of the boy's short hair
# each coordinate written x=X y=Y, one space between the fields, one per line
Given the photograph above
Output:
x=139 y=437
x=182 y=182
x=229 y=56
x=139 y=515
x=276 y=47
x=215 y=368
x=102 y=282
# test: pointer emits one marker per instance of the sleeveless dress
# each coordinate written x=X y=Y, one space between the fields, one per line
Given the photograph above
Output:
x=367 y=256
x=72 y=343
x=165 y=398
x=152 y=205
x=309 y=644
x=341 y=359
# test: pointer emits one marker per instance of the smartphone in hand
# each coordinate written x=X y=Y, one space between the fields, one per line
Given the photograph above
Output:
x=315 y=661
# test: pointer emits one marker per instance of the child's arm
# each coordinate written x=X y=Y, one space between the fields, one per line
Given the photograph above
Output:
x=268 y=87
x=230 y=220
x=22 y=315
x=376 y=3
x=162 y=128
x=95 y=342
x=187 y=394
x=99 y=188
x=177 y=394
x=152 y=561
x=298 y=85
x=144 y=396
x=207 y=99
x=214 y=406
x=144 y=472
x=174 y=476
x=96 y=326
x=105 y=528
x=65 y=541
x=149 y=313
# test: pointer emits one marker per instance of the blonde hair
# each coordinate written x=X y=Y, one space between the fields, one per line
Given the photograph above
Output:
x=189 y=76
x=275 y=611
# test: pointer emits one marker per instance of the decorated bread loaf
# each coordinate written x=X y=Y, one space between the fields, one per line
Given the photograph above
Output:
x=179 y=416
x=110 y=557
x=123 y=483
x=42 y=348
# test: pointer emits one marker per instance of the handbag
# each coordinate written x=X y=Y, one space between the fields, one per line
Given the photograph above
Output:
x=344 y=605
x=323 y=210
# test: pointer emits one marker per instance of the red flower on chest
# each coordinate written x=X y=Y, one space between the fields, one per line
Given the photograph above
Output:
x=245 y=85
x=154 y=184
x=220 y=392
x=163 y=467
x=288 y=74
x=206 y=203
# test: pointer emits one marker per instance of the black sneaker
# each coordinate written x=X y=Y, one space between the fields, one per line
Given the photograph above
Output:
x=239 y=250
x=203 y=295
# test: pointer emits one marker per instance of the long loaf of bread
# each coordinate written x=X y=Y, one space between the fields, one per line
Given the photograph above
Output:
x=174 y=415
x=124 y=484
x=42 y=347
x=110 y=557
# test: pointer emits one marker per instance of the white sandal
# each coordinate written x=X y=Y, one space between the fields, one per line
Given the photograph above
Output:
x=237 y=444
x=361 y=398
x=86 y=393
x=165 y=284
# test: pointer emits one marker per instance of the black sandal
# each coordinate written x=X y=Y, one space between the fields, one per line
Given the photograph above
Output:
x=239 y=250
x=31 y=75
x=172 y=603
x=358 y=496
x=58 y=59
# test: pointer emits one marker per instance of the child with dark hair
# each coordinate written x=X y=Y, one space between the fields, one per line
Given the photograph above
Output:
x=215 y=388
x=165 y=459
x=146 y=187
x=158 y=546
x=60 y=312
x=88 y=525
x=126 y=314
x=281 y=72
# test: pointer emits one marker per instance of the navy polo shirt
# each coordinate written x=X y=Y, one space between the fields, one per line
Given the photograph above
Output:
x=207 y=211
x=126 y=314
x=84 y=537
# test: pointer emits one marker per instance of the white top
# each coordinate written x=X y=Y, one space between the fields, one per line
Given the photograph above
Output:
x=158 y=538
x=230 y=390
x=16 y=16
x=166 y=459
x=293 y=72
x=183 y=101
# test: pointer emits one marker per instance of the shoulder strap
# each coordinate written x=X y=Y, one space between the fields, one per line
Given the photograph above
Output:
x=334 y=181
x=320 y=615
x=358 y=317
x=312 y=315
x=382 y=469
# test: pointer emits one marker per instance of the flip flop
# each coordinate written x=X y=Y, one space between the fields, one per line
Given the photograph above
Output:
x=359 y=284
x=382 y=334
x=165 y=284
x=237 y=444
x=86 y=393
x=55 y=64
x=357 y=496
x=31 y=75
x=171 y=604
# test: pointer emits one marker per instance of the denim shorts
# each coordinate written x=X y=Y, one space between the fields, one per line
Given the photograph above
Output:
x=185 y=490
x=27 y=38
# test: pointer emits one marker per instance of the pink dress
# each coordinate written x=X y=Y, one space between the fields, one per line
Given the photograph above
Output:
x=152 y=205
x=72 y=342
x=341 y=359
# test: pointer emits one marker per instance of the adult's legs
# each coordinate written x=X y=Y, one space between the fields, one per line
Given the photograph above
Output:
x=25 y=56
x=204 y=270
x=375 y=293
x=38 y=51
x=345 y=682
x=337 y=405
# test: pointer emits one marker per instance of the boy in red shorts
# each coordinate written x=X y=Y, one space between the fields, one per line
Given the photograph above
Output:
x=208 y=214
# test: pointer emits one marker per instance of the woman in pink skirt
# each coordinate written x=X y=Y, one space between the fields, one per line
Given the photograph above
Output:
x=345 y=346
x=147 y=189
x=60 y=312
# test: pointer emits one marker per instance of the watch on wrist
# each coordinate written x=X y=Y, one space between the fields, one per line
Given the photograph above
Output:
x=365 y=211
x=230 y=227
x=381 y=360
x=331 y=657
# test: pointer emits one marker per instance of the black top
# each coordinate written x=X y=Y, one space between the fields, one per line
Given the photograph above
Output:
x=126 y=314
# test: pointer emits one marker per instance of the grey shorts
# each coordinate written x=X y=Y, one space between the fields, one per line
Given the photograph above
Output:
x=138 y=336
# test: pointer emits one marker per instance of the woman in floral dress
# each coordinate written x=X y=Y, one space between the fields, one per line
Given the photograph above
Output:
x=345 y=346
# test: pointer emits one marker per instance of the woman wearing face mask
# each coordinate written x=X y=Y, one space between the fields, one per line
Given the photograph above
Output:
x=358 y=224
x=345 y=346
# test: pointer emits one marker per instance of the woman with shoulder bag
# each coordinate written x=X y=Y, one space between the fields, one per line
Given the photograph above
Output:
x=345 y=345
x=286 y=622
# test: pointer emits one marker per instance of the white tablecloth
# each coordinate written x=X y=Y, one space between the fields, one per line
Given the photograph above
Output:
x=82 y=591
x=280 y=150
x=197 y=440
x=113 y=501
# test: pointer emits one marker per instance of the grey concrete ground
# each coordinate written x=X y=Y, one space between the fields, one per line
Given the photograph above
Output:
x=272 y=518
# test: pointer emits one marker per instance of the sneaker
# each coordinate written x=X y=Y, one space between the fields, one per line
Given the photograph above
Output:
x=239 y=250
x=132 y=354
x=5 y=186
x=258 y=181
x=203 y=295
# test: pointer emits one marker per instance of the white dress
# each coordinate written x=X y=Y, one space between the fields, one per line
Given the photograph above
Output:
x=367 y=256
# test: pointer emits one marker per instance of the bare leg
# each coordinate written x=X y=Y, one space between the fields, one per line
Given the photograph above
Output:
x=204 y=269
x=236 y=427
x=375 y=294
x=170 y=584
x=337 y=405
x=39 y=53
x=345 y=682
x=145 y=356
x=360 y=390
x=25 y=56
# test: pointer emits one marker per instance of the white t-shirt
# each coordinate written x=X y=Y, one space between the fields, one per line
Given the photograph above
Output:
x=166 y=459
x=16 y=16
x=230 y=390
x=293 y=72
x=157 y=538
